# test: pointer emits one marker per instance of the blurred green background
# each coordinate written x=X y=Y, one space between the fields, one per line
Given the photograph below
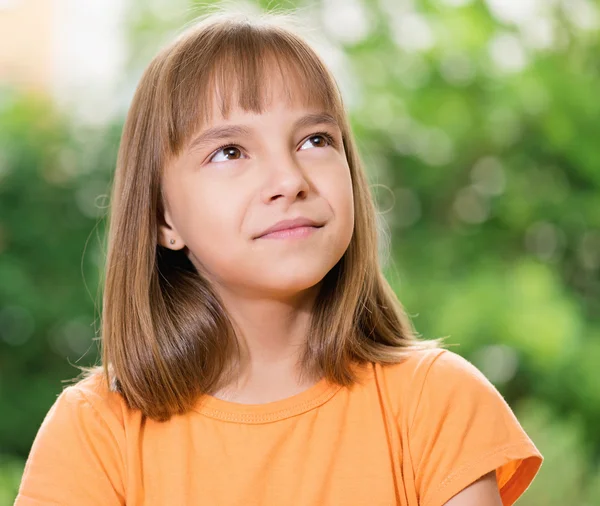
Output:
x=479 y=125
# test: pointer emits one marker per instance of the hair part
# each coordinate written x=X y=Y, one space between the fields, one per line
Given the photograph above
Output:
x=166 y=336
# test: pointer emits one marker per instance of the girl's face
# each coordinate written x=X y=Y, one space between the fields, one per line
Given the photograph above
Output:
x=245 y=174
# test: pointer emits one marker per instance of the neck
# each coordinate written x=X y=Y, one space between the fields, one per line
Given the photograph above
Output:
x=272 y=335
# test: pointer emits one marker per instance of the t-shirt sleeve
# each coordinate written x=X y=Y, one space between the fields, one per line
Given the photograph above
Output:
x=75 y=458
x=461 y=429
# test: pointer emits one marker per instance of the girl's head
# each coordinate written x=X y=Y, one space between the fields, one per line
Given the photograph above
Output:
x=257 y=134
x=236 y=126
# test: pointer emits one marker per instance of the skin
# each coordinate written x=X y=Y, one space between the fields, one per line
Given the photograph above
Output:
x=483 y=492
x=219 y=200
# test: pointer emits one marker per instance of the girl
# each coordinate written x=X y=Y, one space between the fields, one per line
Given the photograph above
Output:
x=253 y=352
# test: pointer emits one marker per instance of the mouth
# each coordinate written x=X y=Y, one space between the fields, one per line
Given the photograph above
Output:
x=298 y=227
x=290 y=233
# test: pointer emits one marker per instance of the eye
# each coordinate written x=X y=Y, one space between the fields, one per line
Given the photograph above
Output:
x=225 y=153
x=318 y=140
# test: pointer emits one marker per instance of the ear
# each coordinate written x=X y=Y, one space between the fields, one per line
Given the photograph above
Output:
x=168 y=235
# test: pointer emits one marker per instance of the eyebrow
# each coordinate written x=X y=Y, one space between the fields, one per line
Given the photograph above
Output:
x=226 y=132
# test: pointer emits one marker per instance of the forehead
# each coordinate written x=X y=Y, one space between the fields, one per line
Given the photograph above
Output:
x=274 y=92
x=253 y=82
x=271 y=83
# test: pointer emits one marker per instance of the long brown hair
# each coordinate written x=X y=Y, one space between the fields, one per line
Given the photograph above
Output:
x=166 y=336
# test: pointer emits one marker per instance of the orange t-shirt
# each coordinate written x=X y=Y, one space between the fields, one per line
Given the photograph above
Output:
x=410 y=434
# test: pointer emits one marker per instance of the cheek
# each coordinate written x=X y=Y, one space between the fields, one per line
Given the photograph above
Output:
x=341 y=198
x=210 y=219
x=347 y=214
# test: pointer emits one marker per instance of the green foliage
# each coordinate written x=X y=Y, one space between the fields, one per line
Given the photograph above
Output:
x=48 y=209
x=11 y=469
x=564 y=480
x=482 y=146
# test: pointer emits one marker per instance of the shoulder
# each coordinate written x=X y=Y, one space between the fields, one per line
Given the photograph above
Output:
x=92 y=397
x=79 y=453
x=432 y=376
x=418 y=366
x=430 y=363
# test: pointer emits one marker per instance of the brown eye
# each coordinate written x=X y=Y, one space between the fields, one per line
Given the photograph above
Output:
x=232 y=153
x=226 y=153
x=317 y=141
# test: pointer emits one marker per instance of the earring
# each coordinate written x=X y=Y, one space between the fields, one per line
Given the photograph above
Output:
x=172 y=241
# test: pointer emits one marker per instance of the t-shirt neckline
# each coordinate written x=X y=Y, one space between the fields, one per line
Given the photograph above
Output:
x=314 y=396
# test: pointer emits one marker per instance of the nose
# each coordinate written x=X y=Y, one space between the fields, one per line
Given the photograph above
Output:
x=285 y=179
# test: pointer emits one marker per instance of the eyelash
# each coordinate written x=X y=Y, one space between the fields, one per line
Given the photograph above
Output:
x=328 y=137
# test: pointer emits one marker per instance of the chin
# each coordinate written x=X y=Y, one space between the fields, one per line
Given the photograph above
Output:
x=293 y=282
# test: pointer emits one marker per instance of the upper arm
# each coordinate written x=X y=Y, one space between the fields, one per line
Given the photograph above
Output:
x=75 y=458
x=483 y=492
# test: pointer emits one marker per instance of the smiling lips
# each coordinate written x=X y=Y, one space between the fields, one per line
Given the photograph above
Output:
x=298 y=227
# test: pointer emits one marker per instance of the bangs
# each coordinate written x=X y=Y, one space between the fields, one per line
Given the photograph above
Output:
x=242 y=66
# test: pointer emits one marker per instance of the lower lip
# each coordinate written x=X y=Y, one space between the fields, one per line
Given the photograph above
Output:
x=290 y=233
